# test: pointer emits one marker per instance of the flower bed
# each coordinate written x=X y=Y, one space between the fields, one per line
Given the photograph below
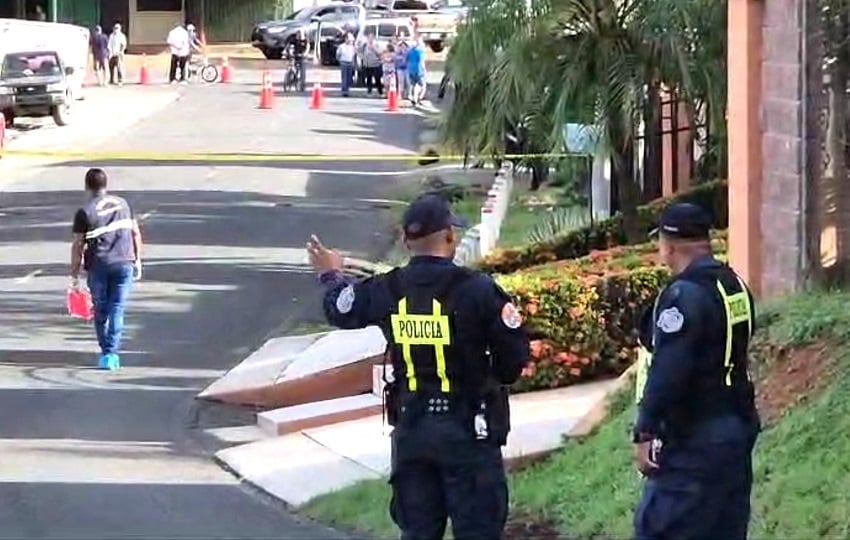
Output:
x=606 y=233
x=583 y=314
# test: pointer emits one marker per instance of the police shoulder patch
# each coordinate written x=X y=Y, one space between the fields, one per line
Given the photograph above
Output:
x=511 y=316
x=345 y=300
x=670 y=320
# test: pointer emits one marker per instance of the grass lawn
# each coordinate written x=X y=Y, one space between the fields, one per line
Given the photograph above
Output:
x=521 y=218
x=589 y=487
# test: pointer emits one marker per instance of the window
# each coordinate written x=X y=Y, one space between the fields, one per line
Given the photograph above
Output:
x=327 y=13
x=386 y=30
x=159 y=5
x=350 y=11
x=403 y=32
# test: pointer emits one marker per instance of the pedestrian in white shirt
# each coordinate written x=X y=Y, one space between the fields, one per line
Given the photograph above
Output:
x=179 y=43
x=116 y=47
x=345 y=54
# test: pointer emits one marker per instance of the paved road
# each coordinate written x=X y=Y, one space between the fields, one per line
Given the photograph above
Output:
x=90 y=454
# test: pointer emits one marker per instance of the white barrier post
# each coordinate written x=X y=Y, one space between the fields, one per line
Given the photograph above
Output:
x=475 y=237
x=487 y=240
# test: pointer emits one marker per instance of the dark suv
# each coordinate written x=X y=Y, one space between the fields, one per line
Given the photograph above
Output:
x=274 y=37
x=34 y=84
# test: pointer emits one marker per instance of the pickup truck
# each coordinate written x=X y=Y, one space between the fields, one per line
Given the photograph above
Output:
x=435 y=26
x=274 y=37
x=35 y=84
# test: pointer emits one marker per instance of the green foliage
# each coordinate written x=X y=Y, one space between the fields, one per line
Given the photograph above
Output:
x=557 y=222
x=607 y=233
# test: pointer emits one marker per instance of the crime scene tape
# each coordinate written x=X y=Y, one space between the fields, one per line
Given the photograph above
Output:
x=252 y=157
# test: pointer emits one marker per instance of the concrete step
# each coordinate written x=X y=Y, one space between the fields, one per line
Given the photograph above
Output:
x=318 y=414
x=297 y=370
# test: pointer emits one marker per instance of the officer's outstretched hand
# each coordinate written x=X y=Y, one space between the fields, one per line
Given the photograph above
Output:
x=323 y=258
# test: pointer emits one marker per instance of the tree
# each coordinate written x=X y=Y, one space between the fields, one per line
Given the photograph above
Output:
x=551 y=62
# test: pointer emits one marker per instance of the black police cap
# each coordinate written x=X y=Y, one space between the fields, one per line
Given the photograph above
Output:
x=685 y=221
x=430 y=213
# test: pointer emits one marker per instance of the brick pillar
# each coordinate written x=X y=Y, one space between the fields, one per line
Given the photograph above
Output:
x=783 y=91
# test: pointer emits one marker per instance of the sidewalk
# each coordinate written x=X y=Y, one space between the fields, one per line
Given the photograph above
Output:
x=104 y=113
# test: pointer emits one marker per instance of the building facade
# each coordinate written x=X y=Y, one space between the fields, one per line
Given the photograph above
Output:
x=147 y=22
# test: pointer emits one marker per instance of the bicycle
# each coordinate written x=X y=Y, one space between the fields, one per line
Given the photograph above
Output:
x=292 y=77
x=203 y=69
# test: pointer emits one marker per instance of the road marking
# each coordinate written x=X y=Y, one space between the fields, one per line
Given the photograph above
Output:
x=146 y=215
x=29 y=276
x=406 y=172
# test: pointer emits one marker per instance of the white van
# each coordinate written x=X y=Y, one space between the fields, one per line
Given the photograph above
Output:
x=70 y=42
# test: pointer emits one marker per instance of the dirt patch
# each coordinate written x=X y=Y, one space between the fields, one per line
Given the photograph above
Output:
x=789 y=376
x=524 y=527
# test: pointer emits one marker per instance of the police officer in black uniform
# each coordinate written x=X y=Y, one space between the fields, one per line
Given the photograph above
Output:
x=697 y=422
x=455 y=340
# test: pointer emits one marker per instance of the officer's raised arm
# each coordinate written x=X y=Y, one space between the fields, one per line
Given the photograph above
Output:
x=347 y=303
x=678 y=334
x=507 y=338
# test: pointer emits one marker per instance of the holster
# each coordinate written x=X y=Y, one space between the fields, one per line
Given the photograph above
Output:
x=497 y=413
x=392 y=406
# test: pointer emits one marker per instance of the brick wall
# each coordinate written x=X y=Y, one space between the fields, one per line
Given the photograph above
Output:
x=783 y=104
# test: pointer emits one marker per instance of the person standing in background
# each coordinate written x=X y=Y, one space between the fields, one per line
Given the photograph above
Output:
x=416 y=71
x=180 y=45
x=345 y=54
x=100 y=54
x=116 y=47
x=371 y=60
x=401 y=68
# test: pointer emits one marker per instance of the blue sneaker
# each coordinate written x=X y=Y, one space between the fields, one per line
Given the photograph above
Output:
x=109 y=361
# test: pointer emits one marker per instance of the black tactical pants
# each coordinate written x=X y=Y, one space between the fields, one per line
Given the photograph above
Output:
x=701 y=491
x=440 y=471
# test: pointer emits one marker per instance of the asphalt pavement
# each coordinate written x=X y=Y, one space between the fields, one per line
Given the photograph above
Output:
x=92 y=454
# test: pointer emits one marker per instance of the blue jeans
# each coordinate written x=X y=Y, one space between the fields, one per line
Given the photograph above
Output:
x=347 y=73
x=110 y=288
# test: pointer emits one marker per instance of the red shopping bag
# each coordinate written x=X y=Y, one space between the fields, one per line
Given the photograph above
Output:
x=80 y=304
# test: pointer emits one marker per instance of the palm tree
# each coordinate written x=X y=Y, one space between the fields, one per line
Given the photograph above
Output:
x=551 y=62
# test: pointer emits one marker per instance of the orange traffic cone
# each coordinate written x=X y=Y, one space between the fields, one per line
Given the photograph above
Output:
x=267 y=93
x=226 y=72
x=392 y=99
x=318 y=100
x=144 y=77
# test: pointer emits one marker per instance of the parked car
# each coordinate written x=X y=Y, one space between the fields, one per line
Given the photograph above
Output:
x=383 y=29
x=436 y=27
x=34 y=84
x=273 y=37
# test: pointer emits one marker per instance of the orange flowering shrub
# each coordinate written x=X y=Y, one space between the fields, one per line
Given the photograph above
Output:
x=605 y=234
x=583 y=314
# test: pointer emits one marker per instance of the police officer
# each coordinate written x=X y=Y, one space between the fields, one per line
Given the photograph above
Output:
x=697 y=422
x=107 y=244
x=455 y=340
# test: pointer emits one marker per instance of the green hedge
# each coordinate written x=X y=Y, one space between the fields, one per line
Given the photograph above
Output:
x=713 y=196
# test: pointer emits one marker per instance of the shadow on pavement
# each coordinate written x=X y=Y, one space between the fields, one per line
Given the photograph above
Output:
x=50 y=510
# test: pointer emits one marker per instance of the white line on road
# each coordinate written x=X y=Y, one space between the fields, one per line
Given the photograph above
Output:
x=29 y=276
x=146 y=215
